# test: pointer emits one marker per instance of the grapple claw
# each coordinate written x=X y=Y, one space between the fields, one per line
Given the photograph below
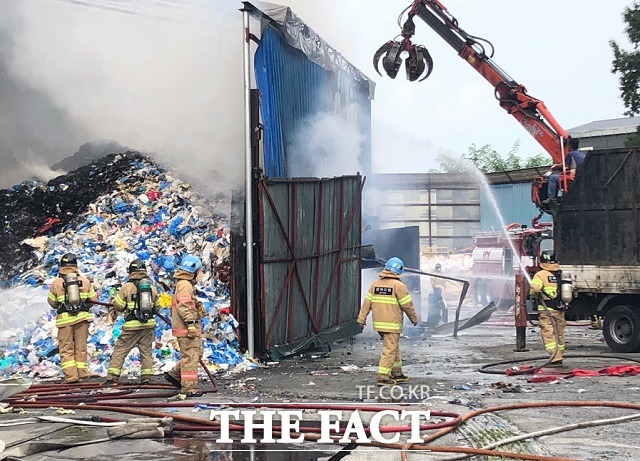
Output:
x=417 y=63
x=381 y=51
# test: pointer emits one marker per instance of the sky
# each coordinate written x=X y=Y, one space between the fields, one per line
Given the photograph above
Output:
x=71 y=74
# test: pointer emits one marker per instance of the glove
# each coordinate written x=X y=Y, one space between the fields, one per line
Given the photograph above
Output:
x=191 y=331
x=113 y=315
x=200 y=308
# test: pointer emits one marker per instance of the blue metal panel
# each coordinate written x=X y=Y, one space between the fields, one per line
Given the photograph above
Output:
x=292 y=89
x=514 y=203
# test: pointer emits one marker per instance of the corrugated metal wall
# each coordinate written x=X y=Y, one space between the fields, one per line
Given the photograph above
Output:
x=514 y=202
x=293 y=88
x=309 y=262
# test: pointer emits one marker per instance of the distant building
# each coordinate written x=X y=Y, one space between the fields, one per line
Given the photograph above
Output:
x=445 y=207
x=605 y=134
x=511 y=191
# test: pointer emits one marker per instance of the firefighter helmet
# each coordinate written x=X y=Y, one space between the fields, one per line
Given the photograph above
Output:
x=137 y=265
x=69 y=260
x=548 y=257
x=395 y=265
x=190 y=264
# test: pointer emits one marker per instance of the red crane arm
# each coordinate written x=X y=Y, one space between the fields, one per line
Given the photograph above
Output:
x=530 y=112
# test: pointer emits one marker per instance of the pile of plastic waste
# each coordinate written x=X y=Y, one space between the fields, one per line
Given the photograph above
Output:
x=108 y=213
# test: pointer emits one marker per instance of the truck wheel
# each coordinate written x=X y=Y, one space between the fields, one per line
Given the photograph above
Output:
x=621 y=329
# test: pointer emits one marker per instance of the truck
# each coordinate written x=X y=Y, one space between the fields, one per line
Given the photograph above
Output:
x=597 y=222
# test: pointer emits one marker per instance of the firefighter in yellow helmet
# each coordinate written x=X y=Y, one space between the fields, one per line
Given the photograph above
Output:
x=137 y=298
x=545 y=287
x=69 y=295
x=388 y=298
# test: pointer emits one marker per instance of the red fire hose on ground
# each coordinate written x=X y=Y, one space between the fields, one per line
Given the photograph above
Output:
x=192 y=424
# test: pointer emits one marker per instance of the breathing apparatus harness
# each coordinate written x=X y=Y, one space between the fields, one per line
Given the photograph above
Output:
x=73 y=303
x=143 y=299
x=563 y=293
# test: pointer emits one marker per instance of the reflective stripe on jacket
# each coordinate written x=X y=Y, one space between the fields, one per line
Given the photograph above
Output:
x=545 y=284
x=57 y=298
x=124 y=302
x=387 y=299
x=183 y=306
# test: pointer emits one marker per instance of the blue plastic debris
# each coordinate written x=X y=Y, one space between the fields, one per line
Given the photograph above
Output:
x=150 y=215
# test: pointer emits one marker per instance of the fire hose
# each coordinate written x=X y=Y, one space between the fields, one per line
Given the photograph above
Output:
x=196 y=424
x=214 y=383
x=532 y=370
x=191 y=424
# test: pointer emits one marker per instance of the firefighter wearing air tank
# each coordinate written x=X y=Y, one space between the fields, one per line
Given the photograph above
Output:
x=545 y=288
x=186 y=313
x=69 y=295
x=136 y=299
x=388 y=298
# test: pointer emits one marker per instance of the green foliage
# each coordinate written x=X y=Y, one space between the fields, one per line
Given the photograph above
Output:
x=627 y=63
x=633 y=140
x=488 y=160
x=536 y=160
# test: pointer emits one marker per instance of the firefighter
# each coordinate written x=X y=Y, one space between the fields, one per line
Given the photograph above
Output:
x=544 y=287
x=387 y=298
x=137 y=298
x=69 y=295
x=186 y=313
x=437 y=309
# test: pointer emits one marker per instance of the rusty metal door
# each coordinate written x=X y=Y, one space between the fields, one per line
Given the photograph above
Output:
x=308 y=262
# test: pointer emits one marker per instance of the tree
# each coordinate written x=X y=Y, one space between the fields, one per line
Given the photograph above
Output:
x=627 y=63
x=488 y=160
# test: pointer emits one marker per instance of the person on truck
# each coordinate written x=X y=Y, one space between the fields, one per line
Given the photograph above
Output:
x=137 y=298
x=574 y=158
x=545 y=290
x=69 y=295
x=388 y=298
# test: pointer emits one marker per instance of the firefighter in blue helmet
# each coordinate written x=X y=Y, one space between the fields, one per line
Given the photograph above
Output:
x=388 y=298
x=186 y=326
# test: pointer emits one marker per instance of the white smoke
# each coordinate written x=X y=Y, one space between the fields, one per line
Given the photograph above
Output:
x=327 y=145
x=167 y=87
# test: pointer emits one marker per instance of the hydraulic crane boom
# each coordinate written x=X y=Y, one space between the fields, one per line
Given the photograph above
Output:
x=530 y=112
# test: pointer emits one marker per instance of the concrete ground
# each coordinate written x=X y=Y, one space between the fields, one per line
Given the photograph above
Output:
x=447 y=366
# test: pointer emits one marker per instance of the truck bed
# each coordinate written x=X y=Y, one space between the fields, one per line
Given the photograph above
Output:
x=604 y=279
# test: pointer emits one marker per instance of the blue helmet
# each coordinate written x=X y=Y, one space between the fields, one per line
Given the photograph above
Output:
x=395 y=265
x=190 y=264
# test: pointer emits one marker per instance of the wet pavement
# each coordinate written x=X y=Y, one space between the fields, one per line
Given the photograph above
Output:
x=447 y=366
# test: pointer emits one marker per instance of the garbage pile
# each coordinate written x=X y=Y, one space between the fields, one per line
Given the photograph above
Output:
x=110 y=212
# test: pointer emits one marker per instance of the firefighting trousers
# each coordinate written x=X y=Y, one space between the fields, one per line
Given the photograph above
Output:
x=546 y=331
x=390 y=361
x=128 y=340
x=72 y=343
x=186 y=370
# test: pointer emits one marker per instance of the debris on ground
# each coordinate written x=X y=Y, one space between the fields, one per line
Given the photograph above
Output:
x=110 y=212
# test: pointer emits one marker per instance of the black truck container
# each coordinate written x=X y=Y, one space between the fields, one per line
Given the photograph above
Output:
x=596 y=231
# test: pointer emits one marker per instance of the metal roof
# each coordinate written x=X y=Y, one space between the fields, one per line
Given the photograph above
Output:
x=623 y=125
x=299 y=35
